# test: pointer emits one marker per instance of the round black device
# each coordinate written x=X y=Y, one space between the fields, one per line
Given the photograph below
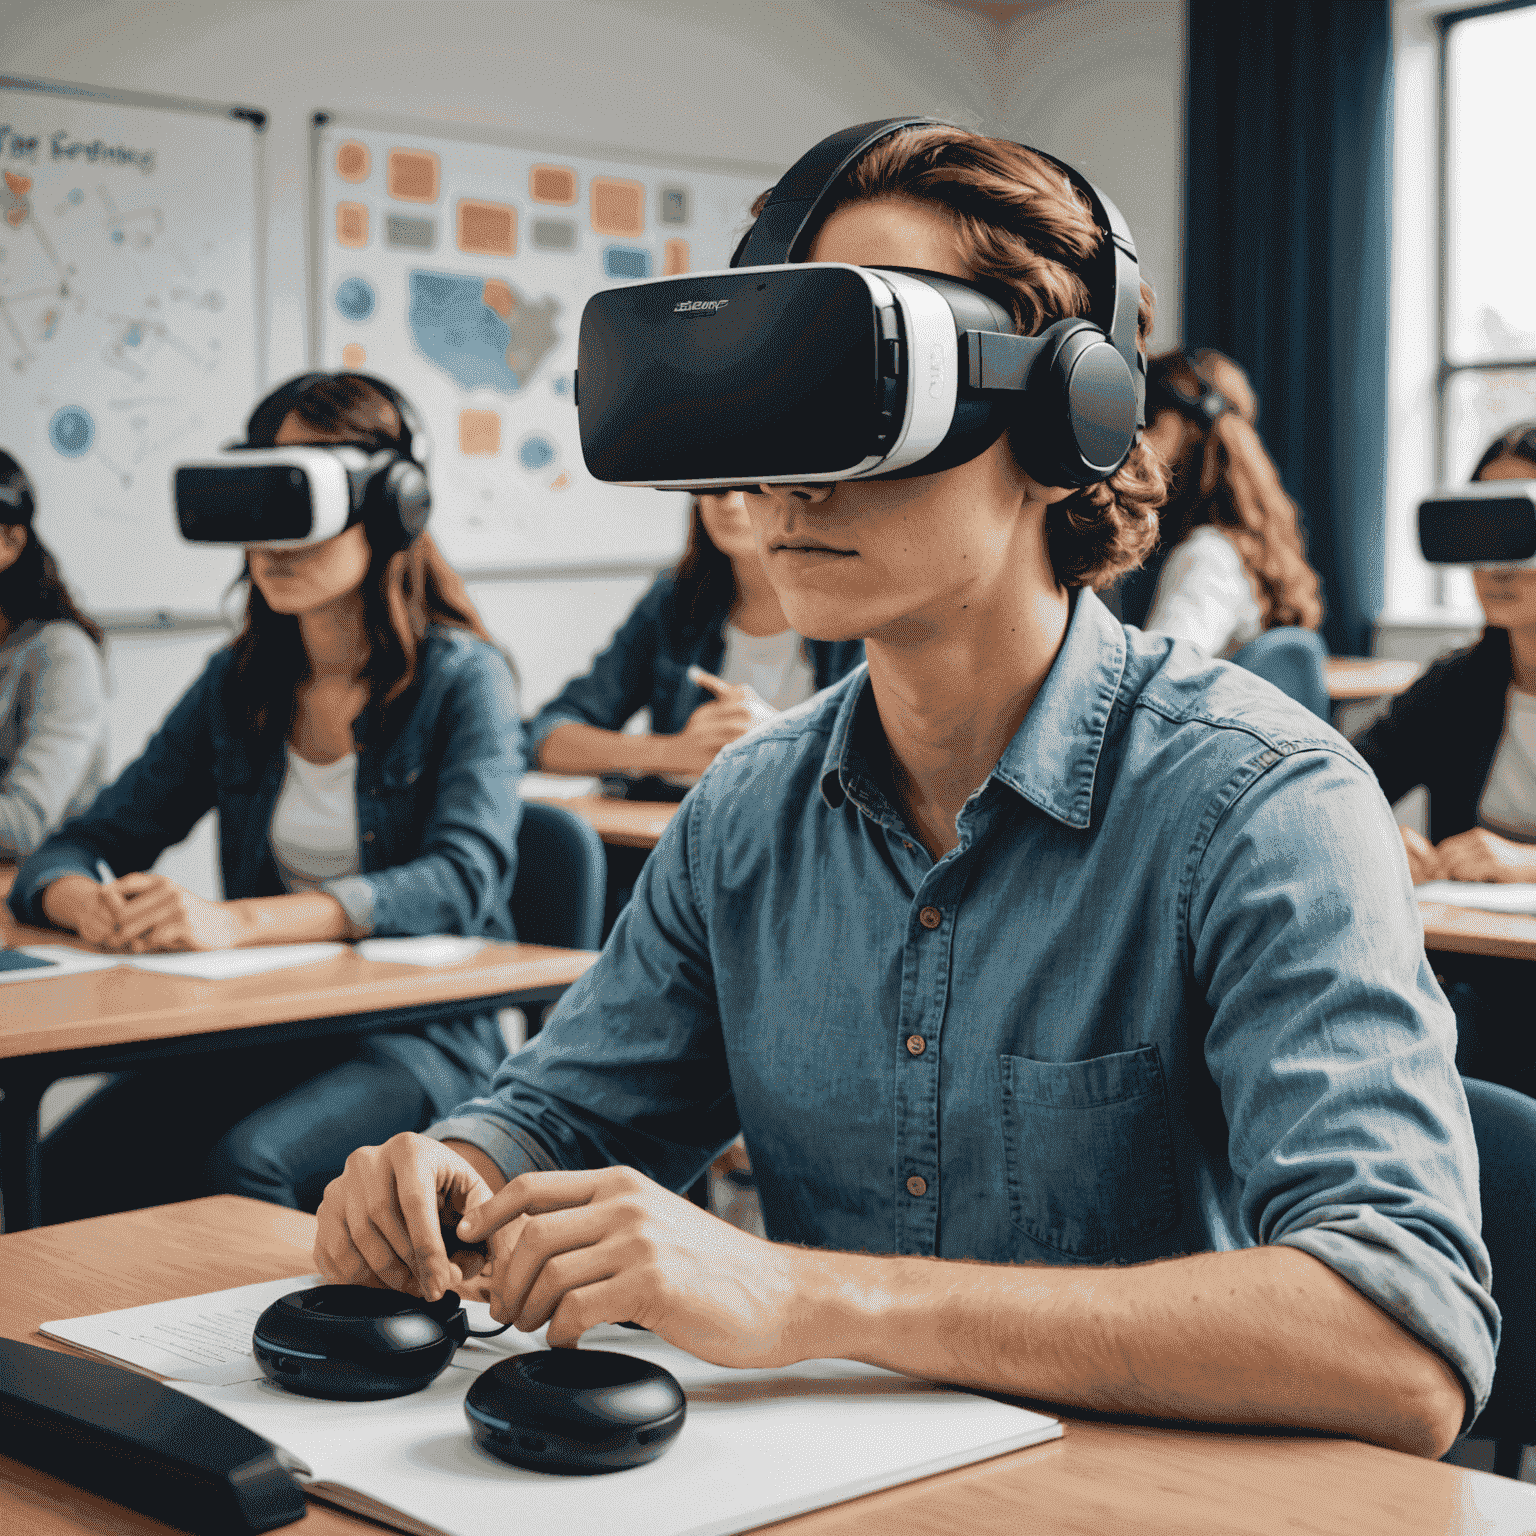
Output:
x=575 y=1410
x=357 y=1342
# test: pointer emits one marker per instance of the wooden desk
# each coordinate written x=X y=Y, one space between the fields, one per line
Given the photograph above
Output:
x=1466 y=931
x=1368 y=677
x=1100 y=1477
x=623 y=823
x=111 y=1020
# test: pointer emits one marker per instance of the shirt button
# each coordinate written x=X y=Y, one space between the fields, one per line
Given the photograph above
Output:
x=916 y=1044
x=917 y=1186
x=930 y=917
x=905 y=844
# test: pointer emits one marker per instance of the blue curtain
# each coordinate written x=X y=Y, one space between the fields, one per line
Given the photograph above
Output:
x=1286 y=265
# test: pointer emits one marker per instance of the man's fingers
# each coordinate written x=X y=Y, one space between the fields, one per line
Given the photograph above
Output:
x=712 y=684
x=564 y=1273
x=417 y=1189
x=140 y=881
x=544 y=1239
x=529 y=1192
x=608 y=1301
x=146 y=914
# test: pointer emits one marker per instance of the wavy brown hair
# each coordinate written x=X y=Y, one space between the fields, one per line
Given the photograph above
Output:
x=1223 y=476
x=704 y=580
x=31 y=586
x=404 y=590
x=1025 y=232
x=1519 y=442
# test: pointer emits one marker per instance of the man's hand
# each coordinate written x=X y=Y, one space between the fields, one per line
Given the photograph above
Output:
x=81 y=905
x=1479 y=854
x=714 y=724
x=1423 y=859
x=610 y=1246
x=382 y=1218
x=159 y=915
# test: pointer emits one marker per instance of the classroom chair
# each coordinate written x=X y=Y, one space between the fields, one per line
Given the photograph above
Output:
x=1504 y=1123
x=1292 y=659
x=562 y=879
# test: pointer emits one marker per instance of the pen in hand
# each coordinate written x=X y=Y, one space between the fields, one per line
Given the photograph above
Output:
x=108 y=890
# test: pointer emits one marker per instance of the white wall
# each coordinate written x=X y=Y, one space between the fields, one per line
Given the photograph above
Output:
x=1099 y=82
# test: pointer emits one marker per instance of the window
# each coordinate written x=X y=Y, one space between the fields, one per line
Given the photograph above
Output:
x=1487 y=373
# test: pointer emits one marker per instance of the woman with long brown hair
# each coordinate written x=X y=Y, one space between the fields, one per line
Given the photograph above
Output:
x=1235 y=561
x=53 y=707
x=360 y=741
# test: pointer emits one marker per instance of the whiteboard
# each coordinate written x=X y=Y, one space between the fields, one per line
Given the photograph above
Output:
x=131 y=325
x=457 y=269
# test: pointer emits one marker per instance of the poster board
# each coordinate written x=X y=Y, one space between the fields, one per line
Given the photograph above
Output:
x=132 y=321
x=457 y=269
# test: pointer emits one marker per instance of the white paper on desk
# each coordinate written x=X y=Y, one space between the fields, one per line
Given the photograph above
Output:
x=557 y=786
x=756 y=1446
x=223 y=964
x=1482 y=895
x=422 y=949
x=196 y=1338
x=66 y=962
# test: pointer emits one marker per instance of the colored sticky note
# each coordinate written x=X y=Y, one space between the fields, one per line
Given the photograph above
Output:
x=618 y=206
x=626 y=261
x=351 y=224
x=413 y=175
x=674 y=205
x=352 y=161
x=674 y=258
x=479 y=432
x=404 y=232
x=498 y=296
x=353 y=355
x=552 y=184
x=487 y=229
x=554 y=235
x=19 y=185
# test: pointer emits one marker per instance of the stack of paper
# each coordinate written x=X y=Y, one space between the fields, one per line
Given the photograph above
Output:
x=1484 y=896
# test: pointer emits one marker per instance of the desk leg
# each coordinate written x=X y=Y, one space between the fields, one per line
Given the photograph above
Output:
x=20 y=1163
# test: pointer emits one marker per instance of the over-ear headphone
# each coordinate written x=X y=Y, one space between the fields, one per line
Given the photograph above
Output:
x=1083 y=404
x=398 y=499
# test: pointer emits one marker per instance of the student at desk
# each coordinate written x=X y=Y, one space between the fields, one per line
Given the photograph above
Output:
x=1466 y=730
x=717 y=611
x=1037 y=952
x=53 y=706
x=360 y=741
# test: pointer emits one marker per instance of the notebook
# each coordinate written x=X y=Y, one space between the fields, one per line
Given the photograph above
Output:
x=757 y=1445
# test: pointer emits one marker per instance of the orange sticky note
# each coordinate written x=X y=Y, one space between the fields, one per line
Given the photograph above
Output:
x=674 y=258
x=479 y=432
x=552 y=184
x=19 y=185
x=497 y=295
x=487 y=229
x=413 y=175
x=353 y=355
x=351 y=224
x=618 y=207
x=352 y=161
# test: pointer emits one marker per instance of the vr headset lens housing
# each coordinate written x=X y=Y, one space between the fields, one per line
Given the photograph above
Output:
x=1490 y=523
x=281 y=497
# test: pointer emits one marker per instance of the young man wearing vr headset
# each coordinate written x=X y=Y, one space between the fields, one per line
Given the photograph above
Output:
x=1036 y=953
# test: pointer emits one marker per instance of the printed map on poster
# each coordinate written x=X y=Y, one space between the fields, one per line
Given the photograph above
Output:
x=128 y=329
x=458 y=271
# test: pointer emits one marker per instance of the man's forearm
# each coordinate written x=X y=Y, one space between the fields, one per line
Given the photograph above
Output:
x=1262 y=1336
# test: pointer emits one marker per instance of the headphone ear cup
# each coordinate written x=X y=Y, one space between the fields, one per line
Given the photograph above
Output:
x=407 y=499
x=1078 y=417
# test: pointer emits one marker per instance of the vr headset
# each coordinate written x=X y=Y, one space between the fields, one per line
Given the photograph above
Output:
x=1491 y=522
x=781 y=371
x=286 y=497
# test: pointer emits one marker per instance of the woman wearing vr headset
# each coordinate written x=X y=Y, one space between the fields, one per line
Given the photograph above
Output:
x=715 y=612
x=1234 y=562
x=360 y=741
x=1036 y=952
x=53 y=707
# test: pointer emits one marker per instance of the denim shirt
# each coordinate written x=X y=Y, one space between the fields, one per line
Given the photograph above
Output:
x=646 y=665
x=1168 y=994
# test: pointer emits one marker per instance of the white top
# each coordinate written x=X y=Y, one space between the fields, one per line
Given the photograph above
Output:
x=1204 y=595
x=314 y=823
x=775 y=667
x=1508 y=805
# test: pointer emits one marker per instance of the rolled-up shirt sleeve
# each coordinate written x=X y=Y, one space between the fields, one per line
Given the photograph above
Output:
x=630 y=1069
x=1333 y=1050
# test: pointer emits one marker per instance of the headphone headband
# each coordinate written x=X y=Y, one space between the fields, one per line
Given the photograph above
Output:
x=797 y=206
x=414 y=443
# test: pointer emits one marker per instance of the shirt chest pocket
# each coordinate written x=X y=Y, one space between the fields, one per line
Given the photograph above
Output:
x=1089 y=1151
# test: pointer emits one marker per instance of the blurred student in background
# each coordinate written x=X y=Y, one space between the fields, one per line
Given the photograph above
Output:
x=53 y=709
x=1234 y=564
x=1466 y=730
x=714 y=613
x=360 y=741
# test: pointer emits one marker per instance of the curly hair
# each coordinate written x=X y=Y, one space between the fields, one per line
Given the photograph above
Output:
x=1027 y=234
x=1223 y=476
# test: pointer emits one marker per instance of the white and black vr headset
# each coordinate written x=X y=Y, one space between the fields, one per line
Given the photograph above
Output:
x=780 y=371
x=1487 y=523
x=282 y=498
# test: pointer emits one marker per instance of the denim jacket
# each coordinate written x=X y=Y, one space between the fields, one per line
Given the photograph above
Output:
x=437 y=809
x=647 y=661
x=1168 y=994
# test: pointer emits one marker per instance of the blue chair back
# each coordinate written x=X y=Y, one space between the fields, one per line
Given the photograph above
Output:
x=1292 y=659
x=562 y=879
x=1505 y=1125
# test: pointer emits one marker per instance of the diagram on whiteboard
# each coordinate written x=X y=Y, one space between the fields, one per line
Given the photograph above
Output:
x=127 y=328
x=458 y=271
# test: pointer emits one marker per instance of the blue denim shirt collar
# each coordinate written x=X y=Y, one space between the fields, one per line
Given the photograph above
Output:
x=1053 y=756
